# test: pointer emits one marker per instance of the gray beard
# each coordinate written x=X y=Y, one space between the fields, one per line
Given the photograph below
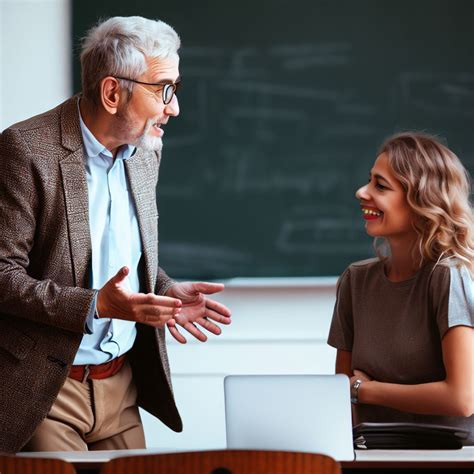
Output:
x=148 y=142
x=145 y=141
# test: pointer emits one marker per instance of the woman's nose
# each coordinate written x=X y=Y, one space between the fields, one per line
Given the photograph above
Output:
x=363 y=193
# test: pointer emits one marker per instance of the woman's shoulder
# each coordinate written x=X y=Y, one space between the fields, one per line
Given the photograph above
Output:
x=450 y=272
x=452 y=286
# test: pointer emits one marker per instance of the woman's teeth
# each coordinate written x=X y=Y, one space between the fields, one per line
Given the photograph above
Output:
x=370 y=212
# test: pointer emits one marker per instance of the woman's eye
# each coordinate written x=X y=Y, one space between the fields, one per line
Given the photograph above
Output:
x=380 y=186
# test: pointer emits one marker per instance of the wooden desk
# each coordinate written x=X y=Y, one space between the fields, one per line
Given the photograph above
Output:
x=452 y=461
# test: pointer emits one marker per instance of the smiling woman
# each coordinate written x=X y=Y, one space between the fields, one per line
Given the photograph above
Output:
x=384 y=204
x=403 y=322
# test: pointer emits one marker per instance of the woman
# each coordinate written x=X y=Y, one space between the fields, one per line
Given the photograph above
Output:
x=403 y=322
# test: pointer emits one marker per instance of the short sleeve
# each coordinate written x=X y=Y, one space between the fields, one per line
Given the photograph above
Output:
x=453 y=298
x=341 y=332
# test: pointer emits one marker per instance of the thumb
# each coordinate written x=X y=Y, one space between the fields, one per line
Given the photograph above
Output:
x=120 y=276
x=207 y=288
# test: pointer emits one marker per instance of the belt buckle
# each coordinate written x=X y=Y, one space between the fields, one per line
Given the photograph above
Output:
x=86 y=373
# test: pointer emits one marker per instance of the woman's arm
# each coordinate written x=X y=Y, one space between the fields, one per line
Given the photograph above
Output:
x=343 y=362
x=452 y=396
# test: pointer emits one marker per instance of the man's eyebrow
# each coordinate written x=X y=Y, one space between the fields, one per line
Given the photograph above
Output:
x=168 y=81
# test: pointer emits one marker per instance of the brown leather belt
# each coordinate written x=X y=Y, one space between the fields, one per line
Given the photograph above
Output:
x=100 y=371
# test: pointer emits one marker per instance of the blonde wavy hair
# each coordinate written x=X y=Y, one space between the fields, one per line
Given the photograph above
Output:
x=438 y=191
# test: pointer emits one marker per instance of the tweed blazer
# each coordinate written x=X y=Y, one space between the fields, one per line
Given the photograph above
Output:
x=45 y=258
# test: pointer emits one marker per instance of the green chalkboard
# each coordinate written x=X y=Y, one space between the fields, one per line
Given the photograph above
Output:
x=283 y=106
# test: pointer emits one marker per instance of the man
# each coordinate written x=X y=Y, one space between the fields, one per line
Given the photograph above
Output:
x=83 y=302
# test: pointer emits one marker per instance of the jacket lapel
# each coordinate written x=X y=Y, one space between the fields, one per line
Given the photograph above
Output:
x=74 y=181
x=143 y=192
x=75 y=191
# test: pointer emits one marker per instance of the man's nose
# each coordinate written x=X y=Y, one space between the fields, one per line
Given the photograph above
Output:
x=172 y=108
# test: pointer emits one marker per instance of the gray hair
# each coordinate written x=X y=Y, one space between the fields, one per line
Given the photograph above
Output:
x=119 y=46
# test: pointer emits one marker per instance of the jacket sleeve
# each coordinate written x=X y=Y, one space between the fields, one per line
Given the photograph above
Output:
x=21 y=295
x=164 y=282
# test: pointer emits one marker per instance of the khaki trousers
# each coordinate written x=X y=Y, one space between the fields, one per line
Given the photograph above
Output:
x=95 y=415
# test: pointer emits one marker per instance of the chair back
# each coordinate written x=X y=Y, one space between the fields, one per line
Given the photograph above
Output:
x=224 y=462
x=26 y=465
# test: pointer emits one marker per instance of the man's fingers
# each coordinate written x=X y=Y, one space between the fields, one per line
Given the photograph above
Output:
x=217 y=317
x=191 y=328
x=176 y=334
x=150 y=312
x=120 y=276
x=151 y=299
x=150 y=319
x=208 y=288
x=218 y=308
x=209 y=326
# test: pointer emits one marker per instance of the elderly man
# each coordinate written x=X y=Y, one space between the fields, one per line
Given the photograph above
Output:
x=83 y=302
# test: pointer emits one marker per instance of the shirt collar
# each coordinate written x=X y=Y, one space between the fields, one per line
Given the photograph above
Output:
x=94 y=148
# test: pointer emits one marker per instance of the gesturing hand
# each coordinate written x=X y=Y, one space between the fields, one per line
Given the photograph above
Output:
x=115 y=301
x=197 y=308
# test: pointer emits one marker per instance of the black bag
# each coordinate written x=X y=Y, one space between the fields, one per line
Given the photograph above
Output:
x=407 y=436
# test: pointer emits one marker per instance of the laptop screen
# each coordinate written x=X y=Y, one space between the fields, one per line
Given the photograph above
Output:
x=309 y=413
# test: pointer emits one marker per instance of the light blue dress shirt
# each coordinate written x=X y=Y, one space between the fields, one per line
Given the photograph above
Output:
x=115 y=239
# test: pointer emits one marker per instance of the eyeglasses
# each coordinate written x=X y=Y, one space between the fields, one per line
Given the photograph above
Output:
x=167 y=90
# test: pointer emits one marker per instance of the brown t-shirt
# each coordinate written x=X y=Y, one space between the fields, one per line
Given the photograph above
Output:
x=394 y=329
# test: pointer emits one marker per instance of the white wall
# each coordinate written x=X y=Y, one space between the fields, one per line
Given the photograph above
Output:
x=35 y=57
x=279 y=326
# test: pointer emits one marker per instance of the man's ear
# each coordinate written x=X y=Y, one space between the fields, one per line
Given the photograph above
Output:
x=110 y=94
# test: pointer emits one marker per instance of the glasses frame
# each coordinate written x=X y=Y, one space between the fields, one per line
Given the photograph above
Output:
x=166 y=87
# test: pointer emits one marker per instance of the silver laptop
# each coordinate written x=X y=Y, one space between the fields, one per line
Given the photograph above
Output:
x=309 y=413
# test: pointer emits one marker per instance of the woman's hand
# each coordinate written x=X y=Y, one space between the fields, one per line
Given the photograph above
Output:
x=358 y=374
